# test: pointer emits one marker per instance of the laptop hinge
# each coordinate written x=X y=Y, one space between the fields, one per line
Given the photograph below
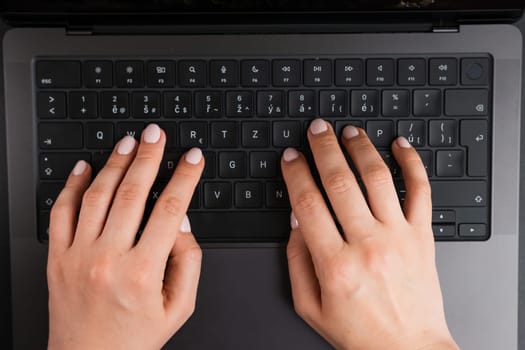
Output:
x=445 y=26
x=445 y=30
x=78 y=31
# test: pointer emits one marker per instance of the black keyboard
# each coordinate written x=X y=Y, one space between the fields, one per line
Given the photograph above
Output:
x=243 y=112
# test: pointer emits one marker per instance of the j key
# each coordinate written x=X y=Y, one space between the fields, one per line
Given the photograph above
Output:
x=255 y=134
x=146 y=104
x=411 y=71
x=129 y=74
x=287 y=134
x=57 y=166
x=47 y=194
x=286 y=72
x=248 y=195
x=442 y=216
x=193 y=134
x=224 y=73
x=209 y=171
x=217 y=195
x=396 y=103
x=160 y=73
x=58 y=74
x=168 y=164
x=60 y=135
x=239 y=104
x=391 y=163
x=270 y=103
x=381 y=133
x=317 y=72
x=177 y=104
x=301 y=103
x=380 y=72
x=232 y=164
x=51 y=105
x=364 y=103
x=263 y=164
x=466 y=102
x=224 y=135
x=443 y=71
x=349 y=72
x=444 y=231
x=427 y=103
x=83 y=105
x=475 y=71
x=442 y=133
x=192 y=73
x=332 y=103
x=474 y=135
x=129 y=129
x=450 y=163
x=255 y=73
x=98 y=74
x=115 y=104
x=426 y=158
x=99 y=135
x=277 y=195
x=208 y=104
x=459 y=193
x=414 y=131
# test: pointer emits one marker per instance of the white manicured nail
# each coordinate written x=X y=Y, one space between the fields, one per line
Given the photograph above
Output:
x=194 y=156
x=293 y=221
x=185 y=224
x=79 y=168
x=152 y=133
x=126 y=145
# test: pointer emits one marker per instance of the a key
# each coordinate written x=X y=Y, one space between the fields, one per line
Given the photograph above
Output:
x=287 y=134
x=224 y=73
x=317 y=72
x=232 y=164
x=98 y=74
x=60 y=135
x=160 y=74
x=474 y=135
x=263 y=164
x=129 y=74
x=442 y=133
x=208 y=104
x=332 y=103
x=449 y=163
x=58 y=74
x=83 y=105
x=270 y=104
x=192 y=73
x=58 y=166
x=411 y=71
x=239 y=104
x=427 y=103
x=301 y=103
x=286 y=72
x=115 y=104
x=396 y=103
x=443 y=71
x=224 y=135
x=462 y=102
x=193 y=134
x=146 y=104
x=277 y=195
x=349 y=72
x=248 y=195
x=133 y=129
x=177 y=104
x=255 y=73
x=414 y=131
x=217 y=195
x=255 y=134
x=51 y=105
x=364 y=103
x=381 y=133
x=99 y=135
x=380 y=72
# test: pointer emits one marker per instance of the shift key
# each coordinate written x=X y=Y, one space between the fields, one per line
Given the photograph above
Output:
x=459 y=193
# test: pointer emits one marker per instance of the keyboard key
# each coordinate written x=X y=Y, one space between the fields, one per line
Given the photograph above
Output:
x=195 y=202
x=255 y=134
x=160 y=74
x=51 y=105
x=43 y=226
x=210 y=168
x=301 y=103
x=442 y=133
x=287 y=134
x=443 y=71
x=133 y=129
x=391 y=163
x=99 y=135
x=270 y=104
x=232 y=164
x=115 y=104
x=177 y=104
x=99 y=161
x=83 y=105
x=146 y=105
x=317 y=72
x=459 y=193
x=277 y=195
x=217 y=195
x=224 y=135
x=193 y=134
x=426 y=158
x=286 y=72
x=364 y=103
x=444 y=231
x=47 y=194
x=168 y=164
x=381 y=133
x=60 y=135
x=396 y=103
x=340 y=125
x=332 y=103
x=170 y=129
x=239 y=104
x=248 y=195
x=443 y=216
x=58 y=166
x=472 y=230
x=414 y=131
x=466 y=102
x=98 y=74
x=411 y=71
x=255 y=73
x=474 y=135
x=208 y=104
x=450 y=163
x=129 y=74
x=427 y=103
x=263 y=164
x=380 y=72
x=349 y=72
x=475 y=71
x=192 y=73
x=224 y=73
x=58 y=74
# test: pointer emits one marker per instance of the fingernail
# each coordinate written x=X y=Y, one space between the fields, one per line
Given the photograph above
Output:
x=318 y=126
x=403 y=142
x=185 y=224
x=290 y=154
x=152 y=133
x=350 y=131
x=79 y=168
x=293 y=221
x=194 y=156
x=126 y=145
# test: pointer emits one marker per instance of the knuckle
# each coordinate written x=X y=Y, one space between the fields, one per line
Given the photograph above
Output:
x=100 y=273
x=59 y=210
x=128 y=192
x=327 y=141
x=338 y=275
x=146 y=155
x=302 y=308
x=339 y=182
x=375 y=259
x=141 y=279
x=93 y=196
x=307 y=200
x=171 y=205
x=114 y=165
x=377 y=174
x=419 y=187
x=194 y=253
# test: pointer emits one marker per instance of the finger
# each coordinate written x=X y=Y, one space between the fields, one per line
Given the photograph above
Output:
x=306 y=291
x=381 y=193
x=64 y=214
x=318 y=228
x=126 y=212
x=98 y=197
x=163 y=224
x=418 y=200
x=182 y=276
x=338 y=180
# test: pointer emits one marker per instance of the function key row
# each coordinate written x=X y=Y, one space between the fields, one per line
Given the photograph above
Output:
x=263 y=73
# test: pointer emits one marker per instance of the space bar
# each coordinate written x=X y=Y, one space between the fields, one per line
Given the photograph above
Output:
x=243 y=226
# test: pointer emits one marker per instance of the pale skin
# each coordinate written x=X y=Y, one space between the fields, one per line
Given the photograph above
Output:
x=372 y=286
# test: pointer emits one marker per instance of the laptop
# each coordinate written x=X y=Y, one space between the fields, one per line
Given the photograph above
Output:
x=242 y=81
